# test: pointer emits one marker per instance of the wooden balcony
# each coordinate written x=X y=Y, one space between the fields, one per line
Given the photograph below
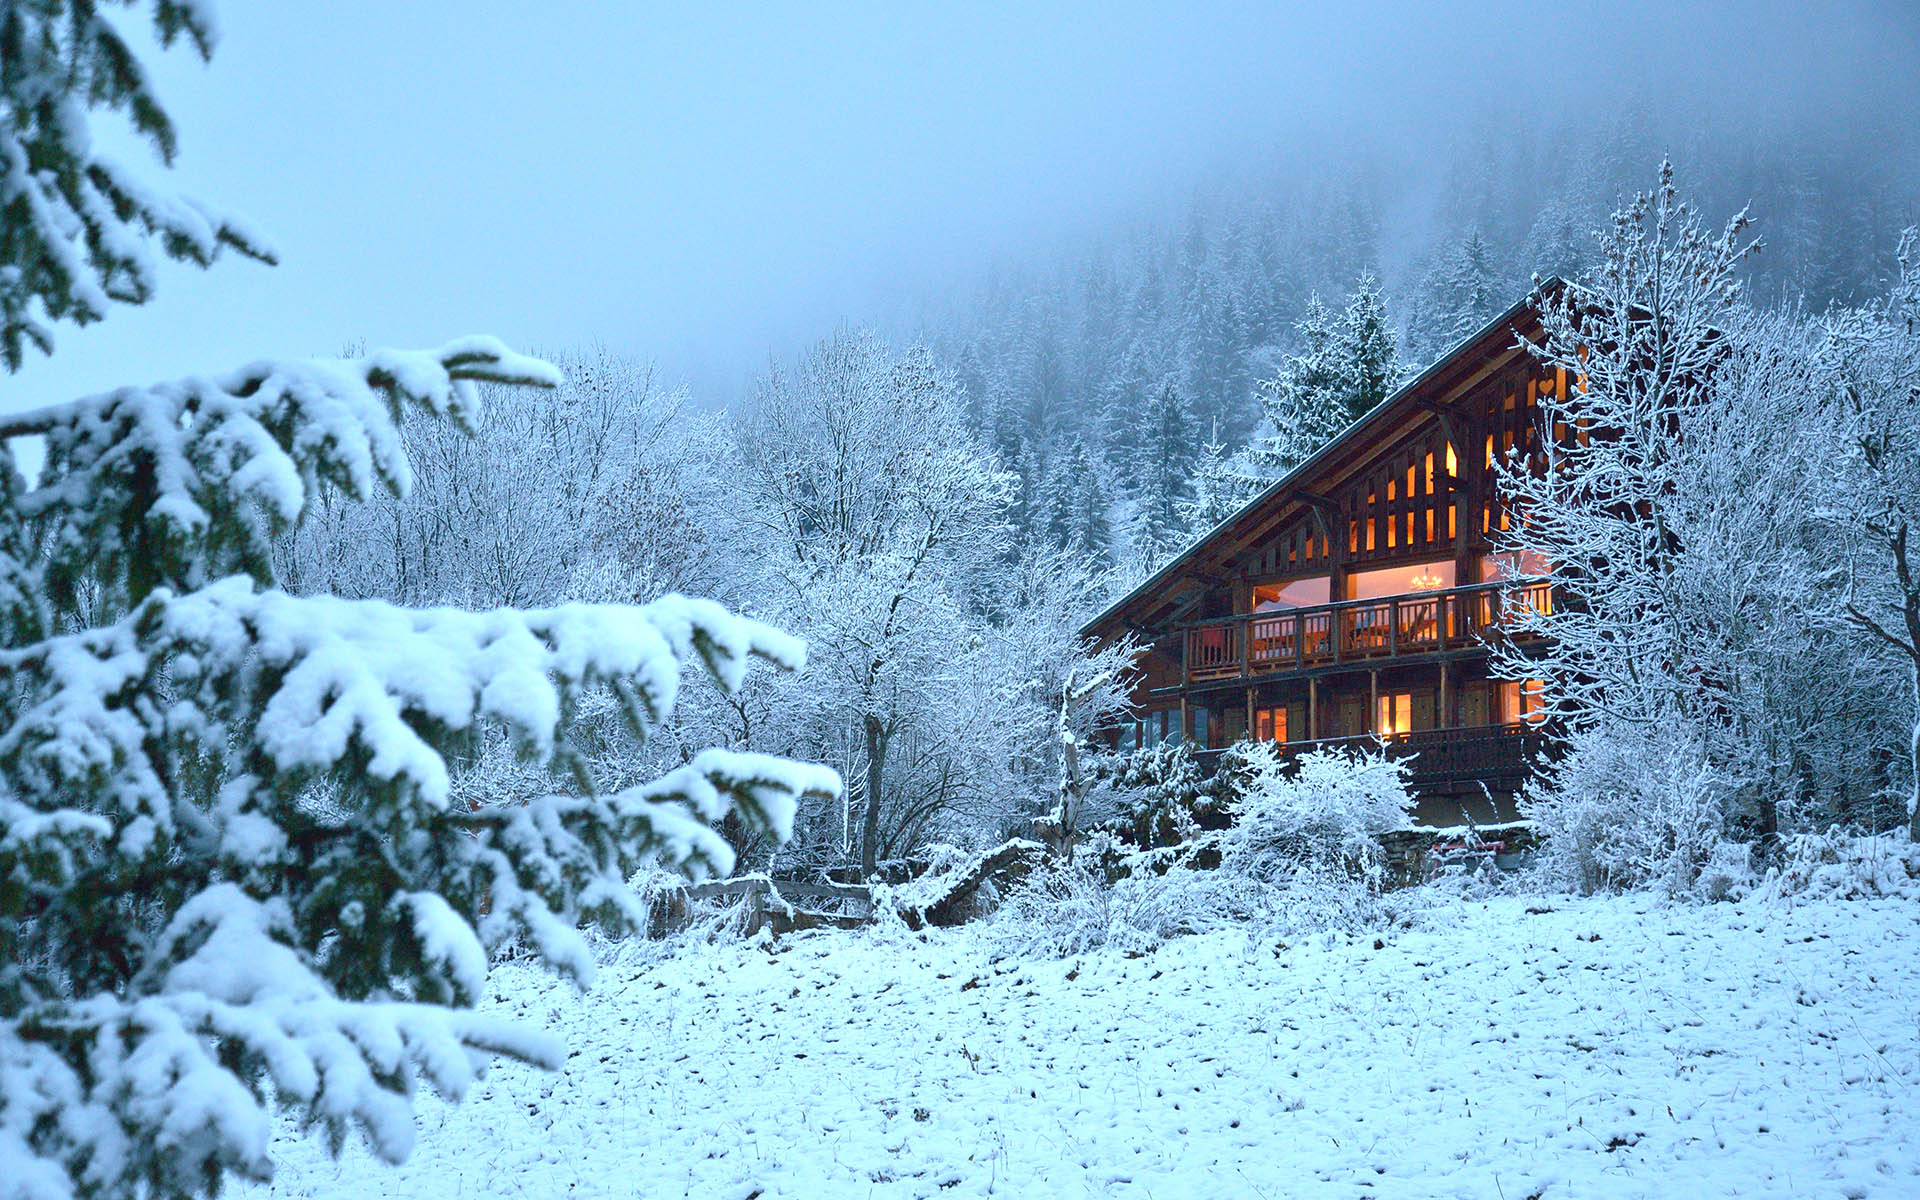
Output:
x=1359 y=631
x=1494 y=755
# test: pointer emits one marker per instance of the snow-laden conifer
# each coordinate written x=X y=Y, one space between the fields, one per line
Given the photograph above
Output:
x=231 y=875
x=77 y=229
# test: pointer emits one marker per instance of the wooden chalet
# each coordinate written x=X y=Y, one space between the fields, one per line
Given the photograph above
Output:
x=1353 y=600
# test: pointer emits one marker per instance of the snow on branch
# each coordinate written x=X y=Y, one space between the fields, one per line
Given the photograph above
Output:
x=363 y=681
x=81 y=227
x=178 y=483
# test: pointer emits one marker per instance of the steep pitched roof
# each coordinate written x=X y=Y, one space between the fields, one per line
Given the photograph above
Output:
x=1484 y=343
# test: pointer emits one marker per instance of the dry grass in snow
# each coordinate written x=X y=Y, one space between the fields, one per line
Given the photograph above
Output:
x=1607 y=1047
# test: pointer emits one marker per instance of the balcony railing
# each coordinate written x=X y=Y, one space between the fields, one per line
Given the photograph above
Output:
x=1360 y=630
x=1490 y=754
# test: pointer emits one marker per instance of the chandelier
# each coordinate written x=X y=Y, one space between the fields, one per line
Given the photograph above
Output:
x=1425 y=583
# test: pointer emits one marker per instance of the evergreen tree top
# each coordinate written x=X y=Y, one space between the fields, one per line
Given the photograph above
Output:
x=80 y=226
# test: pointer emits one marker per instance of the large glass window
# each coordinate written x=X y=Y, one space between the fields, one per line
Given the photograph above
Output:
x=1399 y=581
x=1520 y=702
x=1395 y=715
x=1512 y=564
x=1270 y=724
x=1301 y=593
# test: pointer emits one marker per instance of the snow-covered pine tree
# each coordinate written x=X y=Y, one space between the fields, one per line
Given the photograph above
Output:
x=1366 y=349
x=1163 y=474
x=1559 y=242
x=79 y=228
x=1223 y=482
x=1308 y=401
x=1031 y=507
x=1459 y=296
x=232 y=877
x=1123 y=407
x=1079 y=516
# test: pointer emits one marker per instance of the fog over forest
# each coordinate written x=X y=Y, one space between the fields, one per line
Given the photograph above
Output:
x=1062 y=348
x=706 y=192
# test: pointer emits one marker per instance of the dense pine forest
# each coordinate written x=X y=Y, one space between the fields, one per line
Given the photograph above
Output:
x=1142 y=352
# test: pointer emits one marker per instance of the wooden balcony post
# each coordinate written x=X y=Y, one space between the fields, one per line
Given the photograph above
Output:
x=1253 y=733
x=1313 y=710
x=1444 y=718
x=1300 y=640
x=1373 y=700
x=1393 y=629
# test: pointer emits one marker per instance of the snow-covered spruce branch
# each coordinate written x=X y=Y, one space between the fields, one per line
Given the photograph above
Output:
x=79 y=225
x=179 y=483
x=234 y=875
x=168 y=1082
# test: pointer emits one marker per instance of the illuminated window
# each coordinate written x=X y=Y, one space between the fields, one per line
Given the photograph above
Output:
x=1395 y=714
x=1270 y=724
x=1401 y=581
x=1520 y=703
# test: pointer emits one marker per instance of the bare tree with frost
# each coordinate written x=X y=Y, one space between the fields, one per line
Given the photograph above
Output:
x=1638 y=338
x=884 y=510
x=1875 y=506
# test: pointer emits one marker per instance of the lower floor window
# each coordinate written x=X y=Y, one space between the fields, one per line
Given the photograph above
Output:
x=1521 y=702
x=1270 y=724
x=1395 y=715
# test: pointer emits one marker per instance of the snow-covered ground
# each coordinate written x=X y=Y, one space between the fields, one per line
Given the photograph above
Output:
x=1607 y=1047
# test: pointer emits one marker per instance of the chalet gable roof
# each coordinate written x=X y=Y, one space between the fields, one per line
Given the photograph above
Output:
x=1475 y=357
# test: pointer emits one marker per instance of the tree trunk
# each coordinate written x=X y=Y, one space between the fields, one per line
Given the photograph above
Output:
x=1913 y=763
x=876 y=773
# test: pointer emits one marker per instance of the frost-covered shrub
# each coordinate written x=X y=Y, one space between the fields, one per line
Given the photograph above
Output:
x=1159 y=795
x=1301 y=854
x=1629 y=805
x=1728 y=872
x=1071 y=907
x=1063 y=908
x=1843 y=865
x=1322 y=816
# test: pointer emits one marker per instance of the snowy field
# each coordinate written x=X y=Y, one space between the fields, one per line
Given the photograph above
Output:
x=1608 y=1047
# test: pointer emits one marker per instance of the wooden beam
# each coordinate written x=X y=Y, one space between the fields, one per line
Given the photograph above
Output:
x=1496 y=363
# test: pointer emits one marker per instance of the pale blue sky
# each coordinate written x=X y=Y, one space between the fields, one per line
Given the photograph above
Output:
x=708 y=183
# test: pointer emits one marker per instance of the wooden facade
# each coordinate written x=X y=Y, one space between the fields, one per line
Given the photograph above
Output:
x=1355 y=599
